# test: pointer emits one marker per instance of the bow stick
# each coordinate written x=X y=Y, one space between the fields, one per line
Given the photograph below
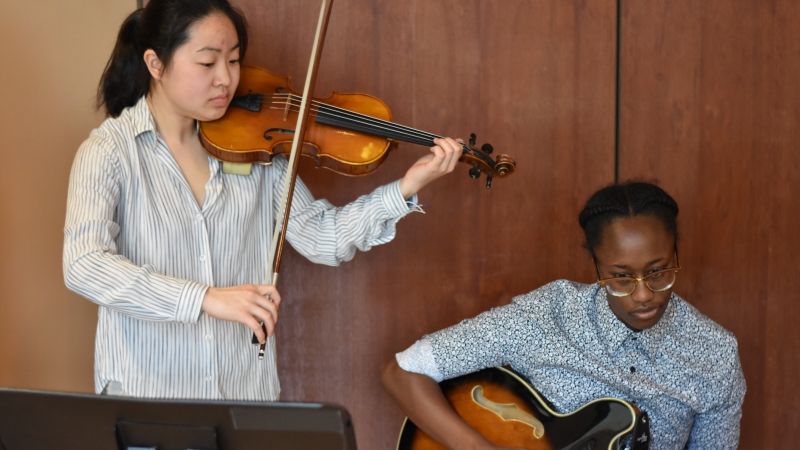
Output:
x=279 y=234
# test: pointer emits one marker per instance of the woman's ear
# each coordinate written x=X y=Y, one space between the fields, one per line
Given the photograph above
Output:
x=153 y=64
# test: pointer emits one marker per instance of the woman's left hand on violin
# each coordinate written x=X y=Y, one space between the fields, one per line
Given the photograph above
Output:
x=442 y=160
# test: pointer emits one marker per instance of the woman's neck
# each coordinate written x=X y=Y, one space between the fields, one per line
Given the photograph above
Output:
x=171 y=124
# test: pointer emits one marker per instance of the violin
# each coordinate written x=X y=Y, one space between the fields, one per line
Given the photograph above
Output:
x=351 y=134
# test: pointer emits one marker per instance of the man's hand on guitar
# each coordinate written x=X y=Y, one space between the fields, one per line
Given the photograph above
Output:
x=251 y=304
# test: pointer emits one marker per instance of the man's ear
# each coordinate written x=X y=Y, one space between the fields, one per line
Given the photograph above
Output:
x=153 y=64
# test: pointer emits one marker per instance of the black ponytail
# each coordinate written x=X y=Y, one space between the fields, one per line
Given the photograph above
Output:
x=125 y=78
x=162 y=26
x=626 y=200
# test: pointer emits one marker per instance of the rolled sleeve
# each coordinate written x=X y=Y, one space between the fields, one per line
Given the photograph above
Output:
x=419 y=359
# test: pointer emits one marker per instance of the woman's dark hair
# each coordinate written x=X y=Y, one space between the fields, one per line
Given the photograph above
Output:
x=626 y=200
x=162 y=26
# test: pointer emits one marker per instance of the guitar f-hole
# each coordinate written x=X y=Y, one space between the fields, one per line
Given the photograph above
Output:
x=508 y=411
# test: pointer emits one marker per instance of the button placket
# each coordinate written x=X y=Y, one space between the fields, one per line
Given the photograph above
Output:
x=204 y=253
x=210 y=372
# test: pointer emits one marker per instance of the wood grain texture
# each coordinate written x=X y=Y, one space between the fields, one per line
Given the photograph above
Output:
x=710 y=107
x=533 y=78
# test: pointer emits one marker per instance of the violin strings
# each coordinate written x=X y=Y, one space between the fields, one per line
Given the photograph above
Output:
x=410 y=134
x=397 y=127
x=378 y=125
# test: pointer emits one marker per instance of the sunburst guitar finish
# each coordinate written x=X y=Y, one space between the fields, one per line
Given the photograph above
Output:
x=507 y=411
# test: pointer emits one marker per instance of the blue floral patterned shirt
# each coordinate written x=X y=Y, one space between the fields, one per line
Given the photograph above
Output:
x=684 y=371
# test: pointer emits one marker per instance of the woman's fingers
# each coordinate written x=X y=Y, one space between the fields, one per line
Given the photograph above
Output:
x=254 y=325
x=441 y=160
x=450 y=152
x=263 y=307
x=455 y=156
x=250 y=305
x=269 y=291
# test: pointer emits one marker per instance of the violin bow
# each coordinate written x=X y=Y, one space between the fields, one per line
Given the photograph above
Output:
x=279 y=234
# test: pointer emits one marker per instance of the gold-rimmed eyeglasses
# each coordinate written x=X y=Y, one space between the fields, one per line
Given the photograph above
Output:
x=657 y=281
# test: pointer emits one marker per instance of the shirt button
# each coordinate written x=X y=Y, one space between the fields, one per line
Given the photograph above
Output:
x=202 y=257
x=199 y=217
x=633 y=369
x=208 y=337
x=209 y=378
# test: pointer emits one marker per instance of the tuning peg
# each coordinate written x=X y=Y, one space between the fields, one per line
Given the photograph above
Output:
x=472 y=138
x=487 y=148
x=475 y=172
x=488 y=180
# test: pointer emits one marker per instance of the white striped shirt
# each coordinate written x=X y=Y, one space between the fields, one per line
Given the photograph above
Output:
x=137 y=244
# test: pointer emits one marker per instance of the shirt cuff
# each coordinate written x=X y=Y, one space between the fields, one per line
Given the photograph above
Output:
x=396 y=206
x=419 y=359
x=190 y=302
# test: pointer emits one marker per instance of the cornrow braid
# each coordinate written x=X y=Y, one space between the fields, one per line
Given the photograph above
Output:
x=626 y=200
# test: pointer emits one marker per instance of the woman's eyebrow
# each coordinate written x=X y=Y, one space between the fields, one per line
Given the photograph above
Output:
x=623 y=266
x=215 y=49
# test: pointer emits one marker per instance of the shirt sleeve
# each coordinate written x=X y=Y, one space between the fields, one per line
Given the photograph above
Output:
x=718 y=428
x=493 y=338
x=329 y=235
x=419 y=359
x=93 y=268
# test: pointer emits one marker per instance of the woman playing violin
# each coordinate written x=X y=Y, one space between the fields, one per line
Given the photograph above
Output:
x=171 y=248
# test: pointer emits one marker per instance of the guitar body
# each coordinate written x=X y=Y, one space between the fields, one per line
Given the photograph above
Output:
x=507 y=411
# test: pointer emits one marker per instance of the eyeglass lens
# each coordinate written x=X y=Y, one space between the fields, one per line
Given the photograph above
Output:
x=658 y=281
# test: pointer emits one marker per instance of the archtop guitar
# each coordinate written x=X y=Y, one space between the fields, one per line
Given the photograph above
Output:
x=507 y=411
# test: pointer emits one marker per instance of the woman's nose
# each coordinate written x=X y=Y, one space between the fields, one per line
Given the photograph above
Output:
x=642 y=294
x=223 y=75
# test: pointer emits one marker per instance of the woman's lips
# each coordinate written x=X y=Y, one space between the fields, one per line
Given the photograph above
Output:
x=222 y=100
x=646 y=313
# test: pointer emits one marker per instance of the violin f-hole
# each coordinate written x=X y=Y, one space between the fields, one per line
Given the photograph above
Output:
x=276 y=130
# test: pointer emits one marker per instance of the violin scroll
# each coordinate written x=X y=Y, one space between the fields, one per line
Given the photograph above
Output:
x=481 y=162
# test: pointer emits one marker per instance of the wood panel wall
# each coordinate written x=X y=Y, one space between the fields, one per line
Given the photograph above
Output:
x=709 y=107
x=533 y=78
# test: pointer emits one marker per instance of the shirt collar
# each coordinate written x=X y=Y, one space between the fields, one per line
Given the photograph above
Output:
x=141 y=117
x=615 y=332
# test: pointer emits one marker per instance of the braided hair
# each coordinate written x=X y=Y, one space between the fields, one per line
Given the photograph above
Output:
x=626 y=200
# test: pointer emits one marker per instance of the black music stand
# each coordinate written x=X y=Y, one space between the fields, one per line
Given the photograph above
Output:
x=31 y=420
